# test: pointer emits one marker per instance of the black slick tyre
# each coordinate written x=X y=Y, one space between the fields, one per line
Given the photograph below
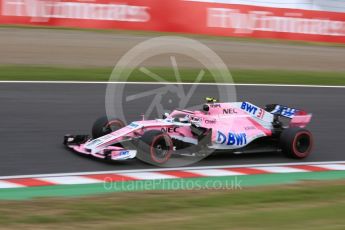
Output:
x=296 y=142
x=155 y=147
x=103 y=126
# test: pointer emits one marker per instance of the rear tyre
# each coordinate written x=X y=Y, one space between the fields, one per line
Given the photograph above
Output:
x=296 y=142
x=155 y=147
x=103 y=126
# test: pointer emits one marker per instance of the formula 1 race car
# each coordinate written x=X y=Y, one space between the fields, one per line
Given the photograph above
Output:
x=238 y=127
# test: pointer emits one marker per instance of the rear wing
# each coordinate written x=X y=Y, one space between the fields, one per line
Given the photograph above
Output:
x=283 y=111
x=299 y=118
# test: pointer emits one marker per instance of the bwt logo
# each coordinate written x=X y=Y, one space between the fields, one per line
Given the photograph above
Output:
x=249 y=108
x=121 y=153
x=288 y=112
x=43 y=10
x=231 y=138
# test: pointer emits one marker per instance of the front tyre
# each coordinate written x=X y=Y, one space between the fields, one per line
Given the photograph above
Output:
x=296 y=142
x=155 y=147
x=103 y=126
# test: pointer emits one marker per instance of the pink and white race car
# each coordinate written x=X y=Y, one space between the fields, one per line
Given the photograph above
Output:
x=237 y=127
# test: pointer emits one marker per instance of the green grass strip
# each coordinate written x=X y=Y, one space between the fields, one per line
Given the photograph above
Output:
x=227 y=182
x=39 y=73
x=307 y=206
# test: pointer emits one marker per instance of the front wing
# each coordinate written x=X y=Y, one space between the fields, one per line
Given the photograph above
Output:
x=77 y=144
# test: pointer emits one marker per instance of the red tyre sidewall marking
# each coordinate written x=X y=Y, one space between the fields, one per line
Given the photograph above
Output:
x=307 y=152
x=118 y=122
x=167 y=157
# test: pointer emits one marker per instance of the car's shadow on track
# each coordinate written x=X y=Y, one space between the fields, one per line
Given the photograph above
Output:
x=217 y=158
x=231 y=156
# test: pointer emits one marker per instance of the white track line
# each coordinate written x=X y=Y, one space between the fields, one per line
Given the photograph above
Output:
x=171 y=169
x=171 y=83
x=147 y=175
x=69 y=180
x=333 y=166
x=214 y=172
x=6 y=184
x=280 y=169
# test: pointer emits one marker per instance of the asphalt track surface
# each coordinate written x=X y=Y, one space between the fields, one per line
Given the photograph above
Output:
x=34 y=118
